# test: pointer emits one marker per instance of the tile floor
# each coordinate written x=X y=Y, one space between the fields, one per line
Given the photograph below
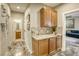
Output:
x=18 y=48
x=72 y=47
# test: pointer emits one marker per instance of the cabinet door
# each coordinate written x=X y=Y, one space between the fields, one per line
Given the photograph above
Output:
x=48 y=17
x=54 y=18
x=42 y=17
x=43 y=47
x=52 y=44
x=45 y=17
x=18 y=35
x=59 y=43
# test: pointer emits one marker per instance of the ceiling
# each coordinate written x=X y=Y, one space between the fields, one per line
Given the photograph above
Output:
x=52 y=4
x=21 y=7
x=18 y=7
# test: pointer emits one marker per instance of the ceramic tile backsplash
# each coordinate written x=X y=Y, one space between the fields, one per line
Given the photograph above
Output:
x=42 y=31
x=46 y=30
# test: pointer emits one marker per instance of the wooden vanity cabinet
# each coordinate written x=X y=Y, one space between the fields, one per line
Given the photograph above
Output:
x=40 y=47
x=45 y=47
x=48 y=17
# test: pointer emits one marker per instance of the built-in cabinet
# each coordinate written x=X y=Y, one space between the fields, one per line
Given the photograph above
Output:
x=47 y=46
x=18 y=35
x=48 y=17
x=52 y=45
x=40 y=47
x=55 y=45
x=59 y=43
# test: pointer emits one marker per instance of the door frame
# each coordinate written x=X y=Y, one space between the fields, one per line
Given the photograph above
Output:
x=64 y=27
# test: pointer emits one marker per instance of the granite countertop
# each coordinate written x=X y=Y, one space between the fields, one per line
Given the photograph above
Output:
x=41 y=37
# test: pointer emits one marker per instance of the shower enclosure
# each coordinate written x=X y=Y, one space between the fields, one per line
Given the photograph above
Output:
x=3 y=30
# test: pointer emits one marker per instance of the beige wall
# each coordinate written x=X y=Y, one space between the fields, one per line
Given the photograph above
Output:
x=76 y=23
x=34 y=12
x=64 y=8
x=0 y=35
x=61 y=20
x=27 y=34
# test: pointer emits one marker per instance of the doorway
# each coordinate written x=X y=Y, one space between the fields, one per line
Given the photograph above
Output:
x=70 y=32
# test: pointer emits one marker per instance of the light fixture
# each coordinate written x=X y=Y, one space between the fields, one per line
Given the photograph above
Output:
x=18 y=7
x=17 y=21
